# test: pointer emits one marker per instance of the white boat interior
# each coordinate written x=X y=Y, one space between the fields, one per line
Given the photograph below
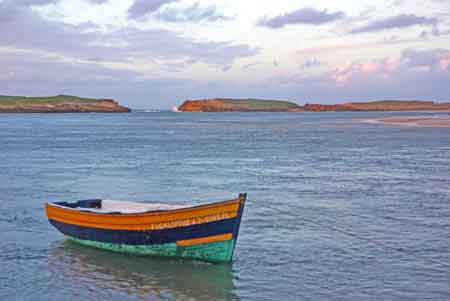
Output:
x=115 y=206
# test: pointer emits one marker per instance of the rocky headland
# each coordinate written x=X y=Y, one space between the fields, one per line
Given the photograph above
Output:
x=239 y=105
x=58 y=104
x=382 y=105
x=261 y=105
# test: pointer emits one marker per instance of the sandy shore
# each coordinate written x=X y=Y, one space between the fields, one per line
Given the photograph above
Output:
x=422 y=121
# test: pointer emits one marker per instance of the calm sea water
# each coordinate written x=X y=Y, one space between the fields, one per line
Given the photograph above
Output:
x=337 y=209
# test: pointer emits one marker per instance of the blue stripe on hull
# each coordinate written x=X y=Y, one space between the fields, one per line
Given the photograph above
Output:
x=148 y=237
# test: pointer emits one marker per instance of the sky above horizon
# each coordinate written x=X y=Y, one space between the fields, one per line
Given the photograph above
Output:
x=158 y=53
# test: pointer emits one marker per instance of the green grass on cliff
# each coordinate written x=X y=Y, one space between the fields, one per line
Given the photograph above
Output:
x=17 y=100
x=260 y=104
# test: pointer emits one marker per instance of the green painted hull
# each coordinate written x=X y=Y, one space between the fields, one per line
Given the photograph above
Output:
x=221 y=251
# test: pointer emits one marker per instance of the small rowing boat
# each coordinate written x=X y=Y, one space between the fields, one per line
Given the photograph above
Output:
x=206 y=232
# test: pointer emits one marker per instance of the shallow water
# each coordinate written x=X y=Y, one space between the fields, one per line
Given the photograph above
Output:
x=338 y=209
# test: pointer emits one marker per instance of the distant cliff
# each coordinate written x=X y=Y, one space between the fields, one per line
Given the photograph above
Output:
x=58 y=104
x=260 y=105
x=383 y=105
x=241 y=105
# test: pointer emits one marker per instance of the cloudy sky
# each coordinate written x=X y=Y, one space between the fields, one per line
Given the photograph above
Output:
x=157 y=53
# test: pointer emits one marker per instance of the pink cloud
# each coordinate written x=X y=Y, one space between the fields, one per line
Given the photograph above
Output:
x=414 y=74
x=369 y=68
x=444 y=62
x=343 y=75
x=410 y=61
x=342 y=78
x=390 y=65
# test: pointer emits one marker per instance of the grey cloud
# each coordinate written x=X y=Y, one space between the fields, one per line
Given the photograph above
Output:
x=23 y=28
x=7 y=13
x=311 y=63
x=250 y=65
x=97 y=1
x=433 y=32
x=22 y=74
x=226 y=68
x=10 y=9
x=417 y=58
x=193 y=13
x=31 y=2
x=423 y=35
x=26 y=67
x=399 y=21
x=302 y=16
x=165 y=44
x=141 y=8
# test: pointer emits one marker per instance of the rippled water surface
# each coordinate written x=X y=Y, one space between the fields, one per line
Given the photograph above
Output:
x=337 y=209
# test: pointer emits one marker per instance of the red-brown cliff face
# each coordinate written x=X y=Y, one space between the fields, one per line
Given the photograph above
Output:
x=210 y=105
x=394 y=105
x=326 y=108
x=251 y=105
x=240 y=105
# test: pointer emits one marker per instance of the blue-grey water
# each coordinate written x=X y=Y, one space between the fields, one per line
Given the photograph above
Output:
x=338 y=209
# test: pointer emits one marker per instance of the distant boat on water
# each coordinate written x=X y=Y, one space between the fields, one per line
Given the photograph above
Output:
x=206 y=232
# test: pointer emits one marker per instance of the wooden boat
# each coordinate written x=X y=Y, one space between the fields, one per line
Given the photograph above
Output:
x=206 y=232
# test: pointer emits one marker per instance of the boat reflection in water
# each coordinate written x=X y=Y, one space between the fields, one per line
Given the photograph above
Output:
x=101 y=274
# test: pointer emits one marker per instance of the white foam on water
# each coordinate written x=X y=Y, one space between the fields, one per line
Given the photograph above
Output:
x=371 y=121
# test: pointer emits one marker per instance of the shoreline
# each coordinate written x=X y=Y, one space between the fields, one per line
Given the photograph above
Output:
x=413 y=121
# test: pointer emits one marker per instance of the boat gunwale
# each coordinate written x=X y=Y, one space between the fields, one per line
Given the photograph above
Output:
x=147 y=213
